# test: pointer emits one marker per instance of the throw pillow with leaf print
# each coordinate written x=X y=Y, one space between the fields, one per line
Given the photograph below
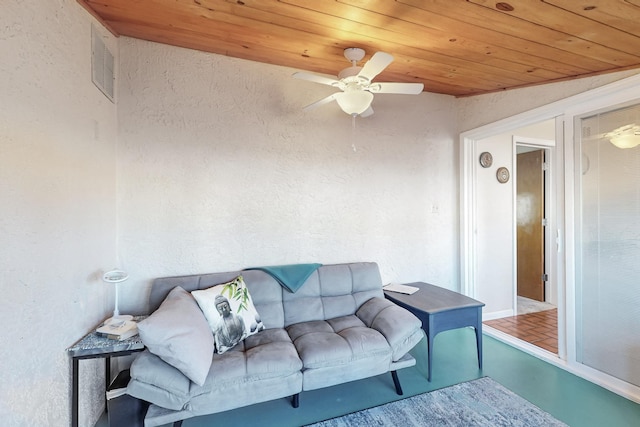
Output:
x=230 y=313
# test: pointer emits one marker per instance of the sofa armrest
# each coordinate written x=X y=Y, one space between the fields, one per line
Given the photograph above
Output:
x=399 y=326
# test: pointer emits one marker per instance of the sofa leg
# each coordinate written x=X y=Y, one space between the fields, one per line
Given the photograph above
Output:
x=295 y=400
x=396 y=382
x=177 y=423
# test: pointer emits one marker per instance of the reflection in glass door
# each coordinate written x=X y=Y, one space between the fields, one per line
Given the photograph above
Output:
x=608 y=242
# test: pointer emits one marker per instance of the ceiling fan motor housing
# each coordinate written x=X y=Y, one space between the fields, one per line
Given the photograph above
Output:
x=354 y=54
x=349 y=72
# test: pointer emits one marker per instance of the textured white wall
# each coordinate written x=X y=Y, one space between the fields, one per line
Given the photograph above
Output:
x=479 y=110
x=57 y=221
x=220 y=169
x=494 y=227
x=543 y=130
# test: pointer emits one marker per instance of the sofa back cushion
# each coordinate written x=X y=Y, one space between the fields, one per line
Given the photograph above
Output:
x=266 y=292
x=331 y=291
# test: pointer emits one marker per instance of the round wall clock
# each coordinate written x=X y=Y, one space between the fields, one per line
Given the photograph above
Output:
x=486 y=159
x=502 y=174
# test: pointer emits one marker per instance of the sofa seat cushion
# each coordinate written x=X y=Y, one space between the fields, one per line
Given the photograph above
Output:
x=156 y=381
x=265 y=355
x=336 y=342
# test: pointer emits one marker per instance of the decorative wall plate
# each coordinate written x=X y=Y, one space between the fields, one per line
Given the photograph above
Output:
x=486 y=159
x=502 y=174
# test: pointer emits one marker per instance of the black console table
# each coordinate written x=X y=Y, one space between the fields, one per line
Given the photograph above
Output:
x=93 y=346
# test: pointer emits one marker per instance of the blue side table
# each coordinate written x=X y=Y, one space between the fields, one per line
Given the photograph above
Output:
x=440 y=310
x=93 y=346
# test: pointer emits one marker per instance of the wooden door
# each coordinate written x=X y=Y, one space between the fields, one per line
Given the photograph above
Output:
x=530 y=229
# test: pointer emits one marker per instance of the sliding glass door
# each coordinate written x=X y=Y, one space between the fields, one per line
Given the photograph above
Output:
x=607 y=206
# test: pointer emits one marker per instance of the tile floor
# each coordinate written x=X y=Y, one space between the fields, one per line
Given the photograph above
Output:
x=539 y=329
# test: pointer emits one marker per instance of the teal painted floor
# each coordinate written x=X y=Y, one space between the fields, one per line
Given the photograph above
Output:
x=567 y=397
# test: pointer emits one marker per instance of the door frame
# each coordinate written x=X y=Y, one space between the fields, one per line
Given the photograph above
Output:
x=468 y=214
x=564 y=112
x=550 y=261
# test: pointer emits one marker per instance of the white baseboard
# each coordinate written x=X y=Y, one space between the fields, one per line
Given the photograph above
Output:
x=497 y=315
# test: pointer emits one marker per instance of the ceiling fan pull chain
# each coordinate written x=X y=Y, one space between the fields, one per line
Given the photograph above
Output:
x=353 y=132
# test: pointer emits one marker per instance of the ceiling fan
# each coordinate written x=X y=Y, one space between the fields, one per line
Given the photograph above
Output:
x=356 y=83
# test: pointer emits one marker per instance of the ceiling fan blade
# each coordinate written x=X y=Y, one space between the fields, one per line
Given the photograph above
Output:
x=402 y=88
x=323 y=101
x=368 y=112
x=315 y=78
x=378 y=62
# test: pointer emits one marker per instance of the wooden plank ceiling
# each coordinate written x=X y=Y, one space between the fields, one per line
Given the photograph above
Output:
x=454 y=47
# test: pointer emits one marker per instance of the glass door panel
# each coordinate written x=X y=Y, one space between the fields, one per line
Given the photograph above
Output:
x=608 y=239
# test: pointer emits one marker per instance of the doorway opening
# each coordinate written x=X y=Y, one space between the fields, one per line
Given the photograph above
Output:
x=535 y=317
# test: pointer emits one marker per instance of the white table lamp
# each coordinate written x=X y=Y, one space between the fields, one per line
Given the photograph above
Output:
x=115 y=277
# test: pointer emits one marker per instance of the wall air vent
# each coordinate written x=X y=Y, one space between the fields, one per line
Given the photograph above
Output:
x=102 y=65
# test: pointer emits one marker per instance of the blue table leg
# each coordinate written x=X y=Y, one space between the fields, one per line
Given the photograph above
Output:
x=430 y=337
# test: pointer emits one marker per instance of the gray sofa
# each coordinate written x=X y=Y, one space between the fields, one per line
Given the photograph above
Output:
x=337 y=327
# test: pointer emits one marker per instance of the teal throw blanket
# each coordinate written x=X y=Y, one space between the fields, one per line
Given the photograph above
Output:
x=291 y=277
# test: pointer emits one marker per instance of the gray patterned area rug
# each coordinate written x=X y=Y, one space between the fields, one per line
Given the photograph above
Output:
x=481 y=402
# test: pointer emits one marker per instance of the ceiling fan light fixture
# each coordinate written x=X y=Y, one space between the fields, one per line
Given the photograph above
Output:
x=354 y=102
x=624 y=137
x=356 y=83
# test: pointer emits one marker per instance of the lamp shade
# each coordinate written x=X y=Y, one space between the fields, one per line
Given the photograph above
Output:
x=355 y=101
x=627 y=136
x=115 y=277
